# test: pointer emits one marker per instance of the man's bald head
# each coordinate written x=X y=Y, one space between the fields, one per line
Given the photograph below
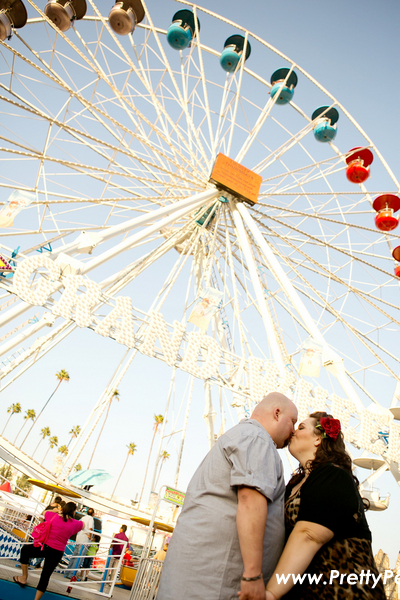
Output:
x=278 y=415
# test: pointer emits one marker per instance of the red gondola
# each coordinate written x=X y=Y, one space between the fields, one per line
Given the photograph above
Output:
x=358 y=160
x=386 y=205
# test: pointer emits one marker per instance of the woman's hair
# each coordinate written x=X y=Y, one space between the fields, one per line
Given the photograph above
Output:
x=57 y=500
x=62 y=503
x=329 y=450
x=68 y=510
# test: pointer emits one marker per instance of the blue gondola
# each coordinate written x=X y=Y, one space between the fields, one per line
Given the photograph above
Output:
x=232 y=52
x=182 y=29
x=286 y=91
x=325 y=130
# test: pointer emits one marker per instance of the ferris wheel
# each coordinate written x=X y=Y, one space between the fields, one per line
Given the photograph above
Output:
x=191 y=149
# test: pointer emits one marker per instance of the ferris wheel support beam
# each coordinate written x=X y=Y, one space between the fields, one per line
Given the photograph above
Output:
x=176 y=212
x=99 y=408
x=142 y=220
x=171 y=388
x=336 y=366
x=189 y=400
x=195 y=201
x=47 y=319
x=265 y=315
x=209 y=414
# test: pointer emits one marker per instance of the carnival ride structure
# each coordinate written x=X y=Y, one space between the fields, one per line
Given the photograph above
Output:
x=272 y=273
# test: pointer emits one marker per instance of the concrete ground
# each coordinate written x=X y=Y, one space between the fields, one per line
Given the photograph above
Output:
x=89 y=590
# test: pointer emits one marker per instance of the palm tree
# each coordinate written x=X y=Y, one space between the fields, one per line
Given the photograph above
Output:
x=75 y=431
x=158 y=419
x=13 y=409
x=163 y=457
x=114 y=394
x=45 y=433
x=78 y=467
x=63 y=450
x=61 y=376
x=30 y=414
x=131 y=450
x=53 y=441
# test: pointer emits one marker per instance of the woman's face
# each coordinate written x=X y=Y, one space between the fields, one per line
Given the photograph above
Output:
x=305 y=441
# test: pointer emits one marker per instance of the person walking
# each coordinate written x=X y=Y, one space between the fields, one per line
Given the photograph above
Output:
x=62 y=528
x=117 y=549
x=83 y=538
x=230 y=533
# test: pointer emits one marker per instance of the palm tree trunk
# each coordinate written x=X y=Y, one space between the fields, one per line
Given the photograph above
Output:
x=46 y=453
x=147 y=467
x=6 y=423
x=35 y=421
x=23 y=425
x=101 y=431
x=37 y=447
x=159 y=473
x=126 y=460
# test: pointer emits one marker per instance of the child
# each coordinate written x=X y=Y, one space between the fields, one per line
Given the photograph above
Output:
x=90 y=554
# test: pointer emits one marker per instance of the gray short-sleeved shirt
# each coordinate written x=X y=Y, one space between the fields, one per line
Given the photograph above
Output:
x=204 y=558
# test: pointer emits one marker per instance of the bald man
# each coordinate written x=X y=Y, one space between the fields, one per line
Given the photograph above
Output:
x=231 y=531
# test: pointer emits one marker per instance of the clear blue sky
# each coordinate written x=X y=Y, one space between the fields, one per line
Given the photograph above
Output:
x=352 y=50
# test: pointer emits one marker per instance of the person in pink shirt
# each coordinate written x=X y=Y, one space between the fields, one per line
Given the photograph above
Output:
x=117 y=550
x=63 y=526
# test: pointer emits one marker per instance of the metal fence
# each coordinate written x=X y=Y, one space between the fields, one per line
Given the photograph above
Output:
x=97 y=577
x=145 y=586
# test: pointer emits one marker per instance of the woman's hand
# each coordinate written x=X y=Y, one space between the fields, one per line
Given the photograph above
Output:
x=269 y=596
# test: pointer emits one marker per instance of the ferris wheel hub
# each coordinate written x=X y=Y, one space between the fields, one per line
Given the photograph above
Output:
x=236 y=179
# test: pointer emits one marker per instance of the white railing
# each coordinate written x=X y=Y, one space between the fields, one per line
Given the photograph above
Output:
x=145 y=586
x=101 y=574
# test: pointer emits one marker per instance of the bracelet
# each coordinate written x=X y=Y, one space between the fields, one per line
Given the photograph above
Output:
x=252 y=578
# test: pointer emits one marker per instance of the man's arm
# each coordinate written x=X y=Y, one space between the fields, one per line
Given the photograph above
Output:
x=251 y=519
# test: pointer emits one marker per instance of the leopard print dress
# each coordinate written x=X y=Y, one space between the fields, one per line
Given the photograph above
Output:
x=347 y=556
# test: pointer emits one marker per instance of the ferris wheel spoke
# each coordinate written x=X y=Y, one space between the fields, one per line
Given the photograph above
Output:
x=190 y=123
x=329 y=274
x=328 y=306
x=238 y=90
x=223 y=112
x=260 y=121
x=264 y=309
x=288 y=210
x=102 y=116
x=279 y=152
x=203 y=80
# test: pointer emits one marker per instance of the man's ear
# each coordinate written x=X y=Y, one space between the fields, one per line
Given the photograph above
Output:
x=277 y=413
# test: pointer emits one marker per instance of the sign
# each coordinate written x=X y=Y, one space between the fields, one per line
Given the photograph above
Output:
x=375 y=432
x=236 y=179
x=174 y=496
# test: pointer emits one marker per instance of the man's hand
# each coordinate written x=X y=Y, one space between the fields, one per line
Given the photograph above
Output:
x=252 y=590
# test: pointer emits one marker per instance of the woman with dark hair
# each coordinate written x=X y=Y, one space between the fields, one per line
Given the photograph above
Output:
x=328 y=545
x=63 y=526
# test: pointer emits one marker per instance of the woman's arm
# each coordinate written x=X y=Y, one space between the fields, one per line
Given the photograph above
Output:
x=303 y=544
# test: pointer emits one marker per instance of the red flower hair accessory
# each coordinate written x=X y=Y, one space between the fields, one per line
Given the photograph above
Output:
x=330 y=427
